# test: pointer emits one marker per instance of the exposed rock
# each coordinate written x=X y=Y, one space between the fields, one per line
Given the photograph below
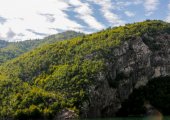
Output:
x=133 y=63
x=66 y=114
x=152 y=112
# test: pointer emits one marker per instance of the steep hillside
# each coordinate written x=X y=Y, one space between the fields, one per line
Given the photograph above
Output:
x=10 y=50
x=88 y=76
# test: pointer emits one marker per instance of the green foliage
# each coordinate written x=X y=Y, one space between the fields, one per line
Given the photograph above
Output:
x=10 y=50
x=56 y=76
x=20 y=100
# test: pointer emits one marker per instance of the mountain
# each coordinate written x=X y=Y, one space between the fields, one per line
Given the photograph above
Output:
x=10 y=50
x=3 y=43
x=94 y=75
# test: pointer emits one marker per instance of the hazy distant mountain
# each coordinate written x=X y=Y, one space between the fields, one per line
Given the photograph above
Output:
x=3 y=43
x=9 y=50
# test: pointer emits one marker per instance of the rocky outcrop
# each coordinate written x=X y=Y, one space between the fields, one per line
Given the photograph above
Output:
x=132 y=65
x=66 y=114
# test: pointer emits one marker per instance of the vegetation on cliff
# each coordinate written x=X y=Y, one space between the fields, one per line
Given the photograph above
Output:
x=10 y=50
x=57 y=76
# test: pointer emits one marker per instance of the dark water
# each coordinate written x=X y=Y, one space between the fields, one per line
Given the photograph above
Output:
x=133 y=118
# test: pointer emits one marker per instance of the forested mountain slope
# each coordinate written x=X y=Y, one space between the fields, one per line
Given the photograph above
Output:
x=88 y=76
x=10 y=50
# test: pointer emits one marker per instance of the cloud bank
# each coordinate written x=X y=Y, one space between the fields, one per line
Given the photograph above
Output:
x=32 y=19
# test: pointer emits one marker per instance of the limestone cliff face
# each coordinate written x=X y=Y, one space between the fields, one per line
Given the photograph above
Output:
x=133 y=63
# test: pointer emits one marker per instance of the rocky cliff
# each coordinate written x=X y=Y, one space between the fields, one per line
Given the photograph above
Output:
x=133 y=64
x=89 y=76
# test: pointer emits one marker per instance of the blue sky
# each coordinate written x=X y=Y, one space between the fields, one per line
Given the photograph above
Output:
x=32 y=19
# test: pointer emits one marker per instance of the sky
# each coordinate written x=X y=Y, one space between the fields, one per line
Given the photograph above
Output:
x=36 y=19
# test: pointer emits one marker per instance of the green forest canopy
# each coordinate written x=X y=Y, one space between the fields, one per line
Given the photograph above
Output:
x=55 y=76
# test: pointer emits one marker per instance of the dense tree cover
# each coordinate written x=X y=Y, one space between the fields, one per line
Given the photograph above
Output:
x=10 y=50
x=56 y=76
x=157 y=93
x=21 y=101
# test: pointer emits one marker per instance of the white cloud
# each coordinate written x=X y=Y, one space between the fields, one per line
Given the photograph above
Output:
x=107 y=8
x=49 y=17
x=129 y=13
x=150 y=6
x=10 y=34
x=28 y=14
x=25 y=19
x=137 y=2
x=2 y=20
x=85 y=13
x=167 y=19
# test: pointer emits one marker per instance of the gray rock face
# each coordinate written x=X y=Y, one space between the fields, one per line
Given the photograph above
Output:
x=66 y=114
x=133 y=64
